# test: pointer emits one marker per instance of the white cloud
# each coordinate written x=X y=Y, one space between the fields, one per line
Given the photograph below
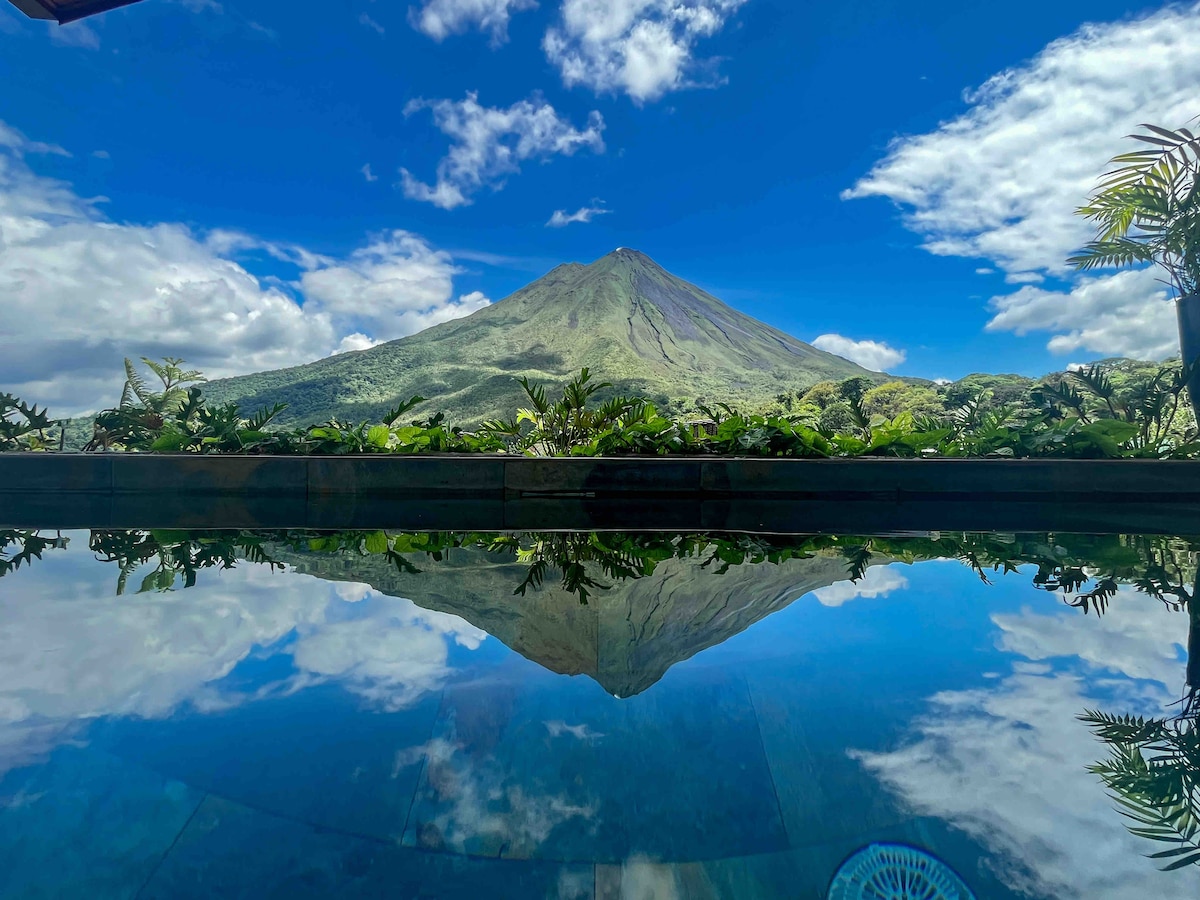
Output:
x=16 y=143
x=368 y=174
x=488 y=143
x=878 y=581
x=78 y=292
x=1001 y=182
x=1127 y=314
x=1024 y=278
x=269 y=33
x=643 y=48
x=873 y=355
x=397 y=285
x=76 y=34
x=985 y=270
x=585 y=214
x=366 y=20
x=1006 y=764
x=441 y=18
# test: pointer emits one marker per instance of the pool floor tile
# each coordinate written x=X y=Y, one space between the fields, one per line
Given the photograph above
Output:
x=231 y=851
x=87 y=825
x=807 y=728
x=313 y=756
x=561 y=772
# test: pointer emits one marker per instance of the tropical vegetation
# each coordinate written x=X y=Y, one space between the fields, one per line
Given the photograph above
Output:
x=24 y=427
x=1147 y=210
x=1109 y=410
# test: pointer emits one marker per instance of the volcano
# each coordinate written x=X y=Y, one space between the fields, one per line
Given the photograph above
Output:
x=624 y=317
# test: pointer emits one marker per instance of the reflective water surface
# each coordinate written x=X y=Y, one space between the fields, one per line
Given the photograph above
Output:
x=576 y=716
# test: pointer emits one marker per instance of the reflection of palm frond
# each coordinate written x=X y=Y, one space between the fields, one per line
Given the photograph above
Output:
x=857 y=560
x=1153 y=774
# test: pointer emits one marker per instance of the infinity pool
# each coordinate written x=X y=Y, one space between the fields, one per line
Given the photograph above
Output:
x=576 y=716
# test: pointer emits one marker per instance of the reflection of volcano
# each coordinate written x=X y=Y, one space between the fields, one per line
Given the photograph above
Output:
x=625 y=638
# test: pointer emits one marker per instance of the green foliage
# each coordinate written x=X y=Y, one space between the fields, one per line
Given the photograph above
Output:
x=895 y=397
x=176 y=556
x=139 y=419
x=558 y=427
x=823 y=394
x=1147 y=210
x=1111 y=410
x=1153 y=774
x=24 y=427
x=1065 y=564
x=20 y=547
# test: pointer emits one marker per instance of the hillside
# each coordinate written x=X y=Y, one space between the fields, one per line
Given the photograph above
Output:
x=624 y=317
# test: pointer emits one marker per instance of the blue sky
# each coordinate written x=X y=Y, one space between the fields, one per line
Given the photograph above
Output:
x=187 y=177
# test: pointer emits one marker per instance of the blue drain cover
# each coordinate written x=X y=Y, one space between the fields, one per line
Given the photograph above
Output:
x=896 y=872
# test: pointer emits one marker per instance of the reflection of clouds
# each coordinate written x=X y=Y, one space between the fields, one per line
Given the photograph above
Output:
x=1006 y=763
x=558 y=728
x=392 y=657
x=644 y=879
x=473 y=806
x=878 y=581
x=71 y=651
x=1139 y=638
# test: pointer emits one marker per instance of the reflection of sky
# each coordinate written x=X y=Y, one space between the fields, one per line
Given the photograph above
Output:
x=963 y=701
x=1005 y=763
x=70 y=650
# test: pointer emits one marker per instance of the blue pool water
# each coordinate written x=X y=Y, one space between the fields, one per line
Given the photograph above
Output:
x=379 y=732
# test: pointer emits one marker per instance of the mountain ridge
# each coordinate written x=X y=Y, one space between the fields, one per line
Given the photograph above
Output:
x=631 y=322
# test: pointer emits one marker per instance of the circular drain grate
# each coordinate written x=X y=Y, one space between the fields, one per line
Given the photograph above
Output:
x=896 y=872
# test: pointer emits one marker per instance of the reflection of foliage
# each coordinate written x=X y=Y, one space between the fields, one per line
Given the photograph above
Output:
x=585 y=562
x=1153 y=772
x=175 y=554
x=24 y=427
x=26 y=546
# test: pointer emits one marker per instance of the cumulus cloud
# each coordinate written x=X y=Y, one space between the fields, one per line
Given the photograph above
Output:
x=585 y=214
x=878 y=581
x=368 y=174
x=643 y=48
x=78 y=292
x=1127 y=314
x=488 y=144
x=1001 y=181
x=873 y=355
x=441 y=18
x=396 y=285
x=1006 y=764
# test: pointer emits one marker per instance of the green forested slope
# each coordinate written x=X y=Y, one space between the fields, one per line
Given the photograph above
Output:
x=624 y=317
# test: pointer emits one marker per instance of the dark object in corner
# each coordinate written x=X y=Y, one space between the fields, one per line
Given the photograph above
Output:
x=64 y=11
